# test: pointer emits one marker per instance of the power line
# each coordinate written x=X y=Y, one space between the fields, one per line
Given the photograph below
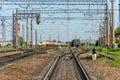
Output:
x=53 y=2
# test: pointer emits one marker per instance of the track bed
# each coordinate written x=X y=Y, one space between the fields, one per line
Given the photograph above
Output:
x=65 y=67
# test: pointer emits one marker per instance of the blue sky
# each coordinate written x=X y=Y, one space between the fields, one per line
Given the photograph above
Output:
x=66 y=30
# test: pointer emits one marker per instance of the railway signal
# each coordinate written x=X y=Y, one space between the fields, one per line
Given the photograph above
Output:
x=38 y=18
x=22 y=14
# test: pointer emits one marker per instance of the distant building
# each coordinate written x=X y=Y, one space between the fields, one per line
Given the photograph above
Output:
x=4 y=43
x=49 y=42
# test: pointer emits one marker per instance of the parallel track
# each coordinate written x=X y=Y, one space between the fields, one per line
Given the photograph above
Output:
x=102 y=55
x=1 y=52
x=66 y=67
x=14 y=57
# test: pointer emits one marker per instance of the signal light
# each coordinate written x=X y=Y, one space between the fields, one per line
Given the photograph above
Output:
x=38 y=18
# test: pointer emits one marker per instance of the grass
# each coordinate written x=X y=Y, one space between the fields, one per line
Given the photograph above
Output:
x=113 y=63
x=28 y=57
x=113 y=53
x=33 y=56
x=6 y=48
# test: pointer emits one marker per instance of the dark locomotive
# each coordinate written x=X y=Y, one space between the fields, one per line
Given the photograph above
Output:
x=75 y=43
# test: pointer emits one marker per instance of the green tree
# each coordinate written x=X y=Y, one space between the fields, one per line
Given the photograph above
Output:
x=117 y=34
x=118 y=41
x=117 y=31
x=21 y=41
x=97 y=43
x=9 y=45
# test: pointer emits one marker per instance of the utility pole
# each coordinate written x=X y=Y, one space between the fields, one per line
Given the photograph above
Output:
x=58 y=37
x=40 y=37
x=16 y=37
x=36 y=36
x=13 y=30
x=23 y=31
x=107 y=31
x=119 y=12
x=112 y=27
x=110 y=24
x=68 y=21
x=23 y=13
x=31 y=42
x=3 y=31
x=50 y=37
x=104 y=33
x=100 y=35
x=27 y=31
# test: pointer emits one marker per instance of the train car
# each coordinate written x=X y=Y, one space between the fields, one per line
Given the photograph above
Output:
x=75 y=43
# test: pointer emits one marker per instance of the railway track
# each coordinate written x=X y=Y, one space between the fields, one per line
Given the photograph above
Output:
x=14 y=57
x=66 y=67
x=106 y=56
x=7 y=51
x=1 y=52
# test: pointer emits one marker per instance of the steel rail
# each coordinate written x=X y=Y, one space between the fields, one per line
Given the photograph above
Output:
x=20 y=55
x=52 y=67
x=8 y=51
x=80 y=67
x=106 y=56
x=78 y=64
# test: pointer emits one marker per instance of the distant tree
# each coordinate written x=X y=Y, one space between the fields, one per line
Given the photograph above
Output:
x=59 y=41
x=117 y=31
x=97 y=43
x=117 y=34
x=54 y=40
x=9 y=45
x=118 y=41
x=21 y=41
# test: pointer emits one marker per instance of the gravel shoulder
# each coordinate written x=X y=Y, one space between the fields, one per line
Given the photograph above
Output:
x=28 y=68
x=99 y=70
x=10 y=53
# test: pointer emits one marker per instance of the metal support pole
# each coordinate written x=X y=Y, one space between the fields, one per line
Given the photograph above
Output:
x=107 y=31
x=36 y=36
x=104 y=31
x=40 y=37
x=112 y=27
x=50 y=37
x=13 y=30
x=58 y=37
x=110 y=24
x=27 y=31
x=31 y=42
x=99 y=36
x=68 y=21
x=119 y=12
x=23 y=32
x=3 y=31
x=16 y=37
